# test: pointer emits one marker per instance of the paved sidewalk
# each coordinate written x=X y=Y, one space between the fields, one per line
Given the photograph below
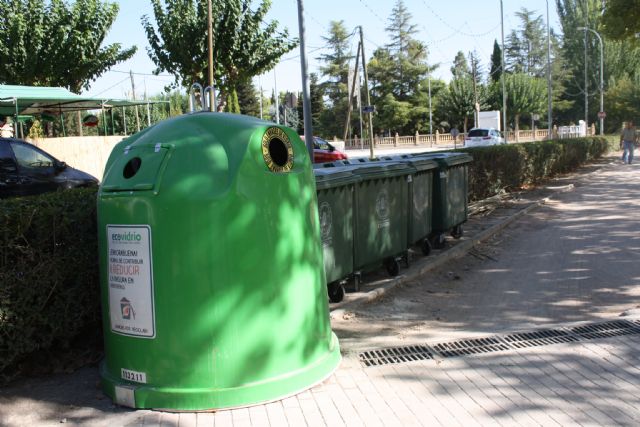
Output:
x=581 y=378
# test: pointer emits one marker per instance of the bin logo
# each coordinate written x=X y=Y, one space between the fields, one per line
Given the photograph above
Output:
x=326 y=221
x=277 y=150
x=382 y=205
x=127 y=309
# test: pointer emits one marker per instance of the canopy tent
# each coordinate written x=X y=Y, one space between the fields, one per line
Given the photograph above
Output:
x=36 y=100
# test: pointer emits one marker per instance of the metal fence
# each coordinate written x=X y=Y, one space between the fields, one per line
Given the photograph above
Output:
x=448 y=139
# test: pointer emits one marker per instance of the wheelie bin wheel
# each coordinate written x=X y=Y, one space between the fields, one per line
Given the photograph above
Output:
x=336 y=292
x=393 y=266
x=457 y=231
x=438 y=241
x=425 y=247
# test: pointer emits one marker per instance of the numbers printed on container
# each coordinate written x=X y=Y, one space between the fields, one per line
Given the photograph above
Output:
x=138 y=377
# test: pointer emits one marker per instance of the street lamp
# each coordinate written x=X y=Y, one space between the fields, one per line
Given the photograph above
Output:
x=548 y=74
x=504 y=93
x=601 y=76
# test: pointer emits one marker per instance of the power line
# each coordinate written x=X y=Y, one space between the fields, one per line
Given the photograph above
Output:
x=111 y=87
x=140 y=74
x=457 y=29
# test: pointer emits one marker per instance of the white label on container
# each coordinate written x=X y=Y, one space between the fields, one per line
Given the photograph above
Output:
x=135 y=376
x=130 y=280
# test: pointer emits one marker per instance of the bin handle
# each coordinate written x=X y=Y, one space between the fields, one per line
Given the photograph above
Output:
x=192 y=97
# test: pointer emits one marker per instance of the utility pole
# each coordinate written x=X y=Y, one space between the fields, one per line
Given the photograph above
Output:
x=430 y=112
x=504 y=92
x=306 y=101
x=366 y=88
x=475 y=90
x=601 y=75
x=260 y=85
x=133 y=94
x=350 y=95
x=549 y=125
x=212 y=95
x=586 y=81
x=275 y=89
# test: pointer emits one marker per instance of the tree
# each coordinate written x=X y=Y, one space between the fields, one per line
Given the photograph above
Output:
x=496 y=63
x=396 y=72
x=407 y=53
x=623 y=101
x=525 y=50
x=53 y=43
x=335 y=70
x=457 y=101
x=527 y=95
x=248 y=98
x=621 y=20
x=243 y=45
x=460 y=68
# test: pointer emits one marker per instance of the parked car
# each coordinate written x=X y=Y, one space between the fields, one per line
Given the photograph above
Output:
x=481 y=137
x=323 y=151
x=27 y=170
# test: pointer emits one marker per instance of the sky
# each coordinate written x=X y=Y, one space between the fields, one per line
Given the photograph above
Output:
x=445 y=26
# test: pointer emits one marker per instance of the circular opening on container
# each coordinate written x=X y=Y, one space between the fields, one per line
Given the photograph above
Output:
x=132 y=167
x=278 y=152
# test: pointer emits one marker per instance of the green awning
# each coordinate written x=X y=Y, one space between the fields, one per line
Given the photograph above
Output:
x=32 y=100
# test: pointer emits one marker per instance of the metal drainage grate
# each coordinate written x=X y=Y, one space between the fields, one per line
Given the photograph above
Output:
x=605 y=330
x=470 y=346
x=387 y=356
x=539 y=338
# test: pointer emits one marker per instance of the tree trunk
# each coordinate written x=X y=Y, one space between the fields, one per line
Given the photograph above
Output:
x=517 y=124
x=79 y=115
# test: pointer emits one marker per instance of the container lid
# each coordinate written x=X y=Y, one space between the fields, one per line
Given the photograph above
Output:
x=333 y=177
x=418 y=163
x=378 y=169
x=446 y=159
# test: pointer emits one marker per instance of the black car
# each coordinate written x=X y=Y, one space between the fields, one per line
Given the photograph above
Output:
x=27 y=170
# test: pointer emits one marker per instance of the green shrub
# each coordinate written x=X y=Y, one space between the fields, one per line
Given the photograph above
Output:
x=49 y=292
x=509 y=167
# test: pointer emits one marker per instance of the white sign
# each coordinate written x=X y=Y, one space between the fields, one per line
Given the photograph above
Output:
x=130 y=279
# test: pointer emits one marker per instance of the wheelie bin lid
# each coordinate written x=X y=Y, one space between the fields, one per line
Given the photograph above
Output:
x=446 y=159
x=334 y=177
x=418 y=163
x=378 y=169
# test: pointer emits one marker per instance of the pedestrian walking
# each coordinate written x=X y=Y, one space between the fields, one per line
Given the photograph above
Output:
x=627 y=140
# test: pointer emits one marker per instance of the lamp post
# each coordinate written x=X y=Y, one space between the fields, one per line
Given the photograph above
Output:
x=306 y=98
x=601 y=75
x=548 y=75
x=504 y=92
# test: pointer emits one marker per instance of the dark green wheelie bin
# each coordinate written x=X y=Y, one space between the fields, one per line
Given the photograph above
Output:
x=450 y=194
x=336 y=191
x=420 y=198
x=381 y=217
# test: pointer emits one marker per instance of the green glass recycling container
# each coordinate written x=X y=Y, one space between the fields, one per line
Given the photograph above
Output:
x=211 y=268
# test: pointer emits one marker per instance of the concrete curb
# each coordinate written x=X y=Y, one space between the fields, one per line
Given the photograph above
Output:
x=427 y=264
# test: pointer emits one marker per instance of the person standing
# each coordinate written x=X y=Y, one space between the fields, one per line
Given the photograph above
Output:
x=627 y=141
x=6 y=128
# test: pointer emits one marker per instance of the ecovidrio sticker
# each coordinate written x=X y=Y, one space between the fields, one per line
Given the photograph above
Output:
x=130 y=280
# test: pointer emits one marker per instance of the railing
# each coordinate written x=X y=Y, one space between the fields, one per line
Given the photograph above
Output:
x=446 y=139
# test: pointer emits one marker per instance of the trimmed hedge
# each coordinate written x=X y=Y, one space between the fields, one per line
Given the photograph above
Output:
x=49 y=293
x=49 y=286
x=509 y=167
